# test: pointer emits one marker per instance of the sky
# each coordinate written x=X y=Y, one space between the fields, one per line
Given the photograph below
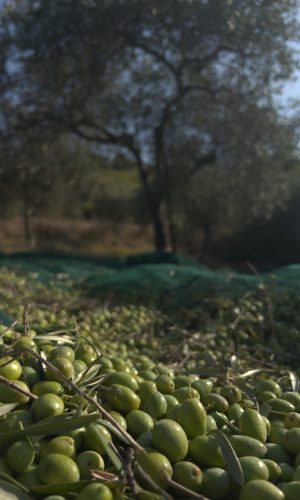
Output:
x=292 y=88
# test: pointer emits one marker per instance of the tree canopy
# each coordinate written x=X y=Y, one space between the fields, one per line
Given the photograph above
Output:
x=175 y=85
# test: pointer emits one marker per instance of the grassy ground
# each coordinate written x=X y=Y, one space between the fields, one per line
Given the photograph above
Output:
x=76 y=236
x=100 y=238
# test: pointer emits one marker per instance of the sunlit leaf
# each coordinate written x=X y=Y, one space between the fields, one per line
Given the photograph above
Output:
x=294 y=381
x=234 y=362
x=249 y=373
x=56 y=338
x=90 y=373
x=9 y=491
x=4 y=409
x=233 y=464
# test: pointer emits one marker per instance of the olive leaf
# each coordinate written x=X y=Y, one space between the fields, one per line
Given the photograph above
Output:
x=265 y=409
x=234 y=362
x=227 y=422
x=109 y=451
x=89 y=374
x=4 y=409
x=61 y=488
x=230 y=457
x=113 y=430
x=9 y=491
x=67 y=488
x=55 y=338
x=249 y=373
x=9 y=479
x=55 y=425
x=294 y=381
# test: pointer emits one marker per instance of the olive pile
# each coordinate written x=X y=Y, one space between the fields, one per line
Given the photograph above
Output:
x=122 y=402
x=76 y=424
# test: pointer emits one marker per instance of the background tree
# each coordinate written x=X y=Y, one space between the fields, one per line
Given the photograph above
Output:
x=175 y=86
x=30 y=172
x=143 y=76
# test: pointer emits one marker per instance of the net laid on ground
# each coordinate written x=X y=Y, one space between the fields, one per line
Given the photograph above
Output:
x=164 y=279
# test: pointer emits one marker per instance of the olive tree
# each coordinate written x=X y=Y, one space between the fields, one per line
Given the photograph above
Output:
x=152 y=80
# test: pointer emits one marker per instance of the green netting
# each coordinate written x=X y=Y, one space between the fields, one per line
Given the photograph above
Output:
x=163 y=278
x=5 y=319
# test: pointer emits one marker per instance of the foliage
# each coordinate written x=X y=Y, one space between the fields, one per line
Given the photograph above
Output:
x=173 y=86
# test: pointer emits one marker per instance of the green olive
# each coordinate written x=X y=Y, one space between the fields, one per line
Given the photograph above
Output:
x=47 y=386
x=79 y=366
x=20 y=455
x=269 y=385
x=261 y=490
x=119 y=419
x=254 y=468
x=248 y=446
x=192 y=417
x=203 y=387
x=88 y=460
x=64 y=366
x=94 y=434
x=206 y=452
x=278 y=453
x=253 y=424
x=156 y=465
x=10 y=368
x=231 y=393
x=11 y=395
x=156 y=405
x=95 y=491
x=122 y=378
x=170 y=439
x=181 y=381
x=185 y=392
x=47 y=405
x=292 y=440
x=274 y=470
x=145 y=440
x=29 y=477
x=146 y=388
x=64 y=445
x=215 y=483
x=62 y=351
x=291 y=490
x=30 y=375
x=138 y=422
x=165 y=384
x=55 y=468
x=187 y=474
x=122 y=398
x=216 y=402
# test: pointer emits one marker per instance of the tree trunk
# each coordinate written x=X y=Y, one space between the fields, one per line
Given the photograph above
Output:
x=27 y=210
x=170 y=216
x=206 y=243
x=165 y=188
x=28 y=227
x=154 y=205
x=158 y=228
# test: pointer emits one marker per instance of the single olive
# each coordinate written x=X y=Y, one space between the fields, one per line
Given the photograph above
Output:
x=47 y=405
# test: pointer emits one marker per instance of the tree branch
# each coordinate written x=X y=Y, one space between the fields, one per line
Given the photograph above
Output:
x=204 y=160
x=133 y=43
